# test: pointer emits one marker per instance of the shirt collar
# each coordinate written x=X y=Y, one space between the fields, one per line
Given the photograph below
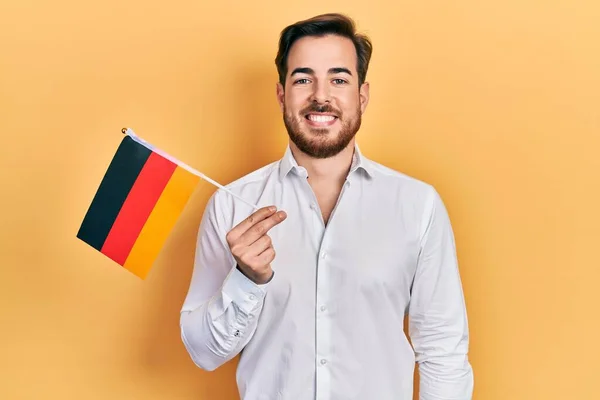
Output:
x=359 y=162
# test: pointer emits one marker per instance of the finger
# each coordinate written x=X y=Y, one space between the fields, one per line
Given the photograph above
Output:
x=251 y=220
x=257 y=256
x=267 y=256
x=260 y=245
x=261 y=228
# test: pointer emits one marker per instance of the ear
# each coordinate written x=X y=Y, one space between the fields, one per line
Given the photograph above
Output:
x=364 y=96
x=280 y=95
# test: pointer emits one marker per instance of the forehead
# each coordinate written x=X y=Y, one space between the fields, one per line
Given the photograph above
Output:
x=322 y=53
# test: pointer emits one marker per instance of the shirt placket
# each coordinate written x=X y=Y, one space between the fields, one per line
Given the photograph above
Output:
x=323 y=325
x=323 y=335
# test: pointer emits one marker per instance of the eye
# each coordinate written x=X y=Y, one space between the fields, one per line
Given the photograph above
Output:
x=300 y=81
x=339 y=81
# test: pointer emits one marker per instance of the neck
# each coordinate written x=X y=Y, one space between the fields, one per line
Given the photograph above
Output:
x=332 y=169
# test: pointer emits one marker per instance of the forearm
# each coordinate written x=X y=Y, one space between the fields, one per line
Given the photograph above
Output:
x=441 y=342
x=217 y=330
x=445 y=378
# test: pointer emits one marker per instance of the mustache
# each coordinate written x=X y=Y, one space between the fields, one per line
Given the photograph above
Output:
x=321 y=109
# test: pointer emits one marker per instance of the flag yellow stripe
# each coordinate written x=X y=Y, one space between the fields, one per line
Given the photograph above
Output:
x=161 y=221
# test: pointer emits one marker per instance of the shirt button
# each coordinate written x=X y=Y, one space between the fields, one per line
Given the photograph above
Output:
x=252 y=297
x=323 y=308
x=323 y=361
x=323 y=254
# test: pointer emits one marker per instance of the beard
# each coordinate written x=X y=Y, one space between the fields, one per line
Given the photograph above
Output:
x=317 y=144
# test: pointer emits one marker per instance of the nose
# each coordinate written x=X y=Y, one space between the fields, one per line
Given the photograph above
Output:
x=320 y=92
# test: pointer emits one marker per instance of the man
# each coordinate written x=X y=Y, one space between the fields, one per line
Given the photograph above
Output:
x=359 y=247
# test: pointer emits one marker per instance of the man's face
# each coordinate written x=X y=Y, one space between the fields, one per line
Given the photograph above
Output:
x=322 y=103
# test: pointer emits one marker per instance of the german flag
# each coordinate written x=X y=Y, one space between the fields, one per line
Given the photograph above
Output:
x=137 y=204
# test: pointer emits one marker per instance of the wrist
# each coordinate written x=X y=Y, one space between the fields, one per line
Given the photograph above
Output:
x=259 y=281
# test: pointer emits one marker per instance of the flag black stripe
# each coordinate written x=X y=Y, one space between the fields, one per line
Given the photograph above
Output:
x=114 y=188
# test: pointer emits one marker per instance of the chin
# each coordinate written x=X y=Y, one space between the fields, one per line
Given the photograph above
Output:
x=322 y=144
x=320 y=140
x=328 y=134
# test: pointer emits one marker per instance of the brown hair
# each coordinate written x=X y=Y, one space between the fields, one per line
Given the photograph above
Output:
x=321 y=25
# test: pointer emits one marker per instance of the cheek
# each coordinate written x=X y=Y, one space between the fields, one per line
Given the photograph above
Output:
x=346 y=100
x=297 y=97
x=349 y=107
x=295 y=105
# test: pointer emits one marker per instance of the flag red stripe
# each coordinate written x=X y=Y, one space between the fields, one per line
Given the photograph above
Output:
x=136 y=209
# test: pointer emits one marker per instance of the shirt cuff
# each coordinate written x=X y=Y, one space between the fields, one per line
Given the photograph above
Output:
x=244 y=292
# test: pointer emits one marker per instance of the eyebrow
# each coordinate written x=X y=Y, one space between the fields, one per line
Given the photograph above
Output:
x=310 y=71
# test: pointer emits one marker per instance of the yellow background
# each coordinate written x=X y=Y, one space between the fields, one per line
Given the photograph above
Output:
x=496 y=103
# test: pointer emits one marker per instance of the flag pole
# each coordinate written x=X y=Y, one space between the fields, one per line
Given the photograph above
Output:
x=130 y=133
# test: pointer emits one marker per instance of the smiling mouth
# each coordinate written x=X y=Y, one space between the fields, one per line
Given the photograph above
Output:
x=321 y=119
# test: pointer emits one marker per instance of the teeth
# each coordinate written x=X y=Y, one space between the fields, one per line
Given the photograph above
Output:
x=321 y=118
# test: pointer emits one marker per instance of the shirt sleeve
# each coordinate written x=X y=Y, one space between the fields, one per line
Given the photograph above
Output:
x=219 y=314
x=438 y=324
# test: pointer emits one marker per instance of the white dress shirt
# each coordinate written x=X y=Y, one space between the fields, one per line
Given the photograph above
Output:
x=329 y=325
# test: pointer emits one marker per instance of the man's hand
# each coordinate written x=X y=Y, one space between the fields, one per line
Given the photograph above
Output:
x=252 y=247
